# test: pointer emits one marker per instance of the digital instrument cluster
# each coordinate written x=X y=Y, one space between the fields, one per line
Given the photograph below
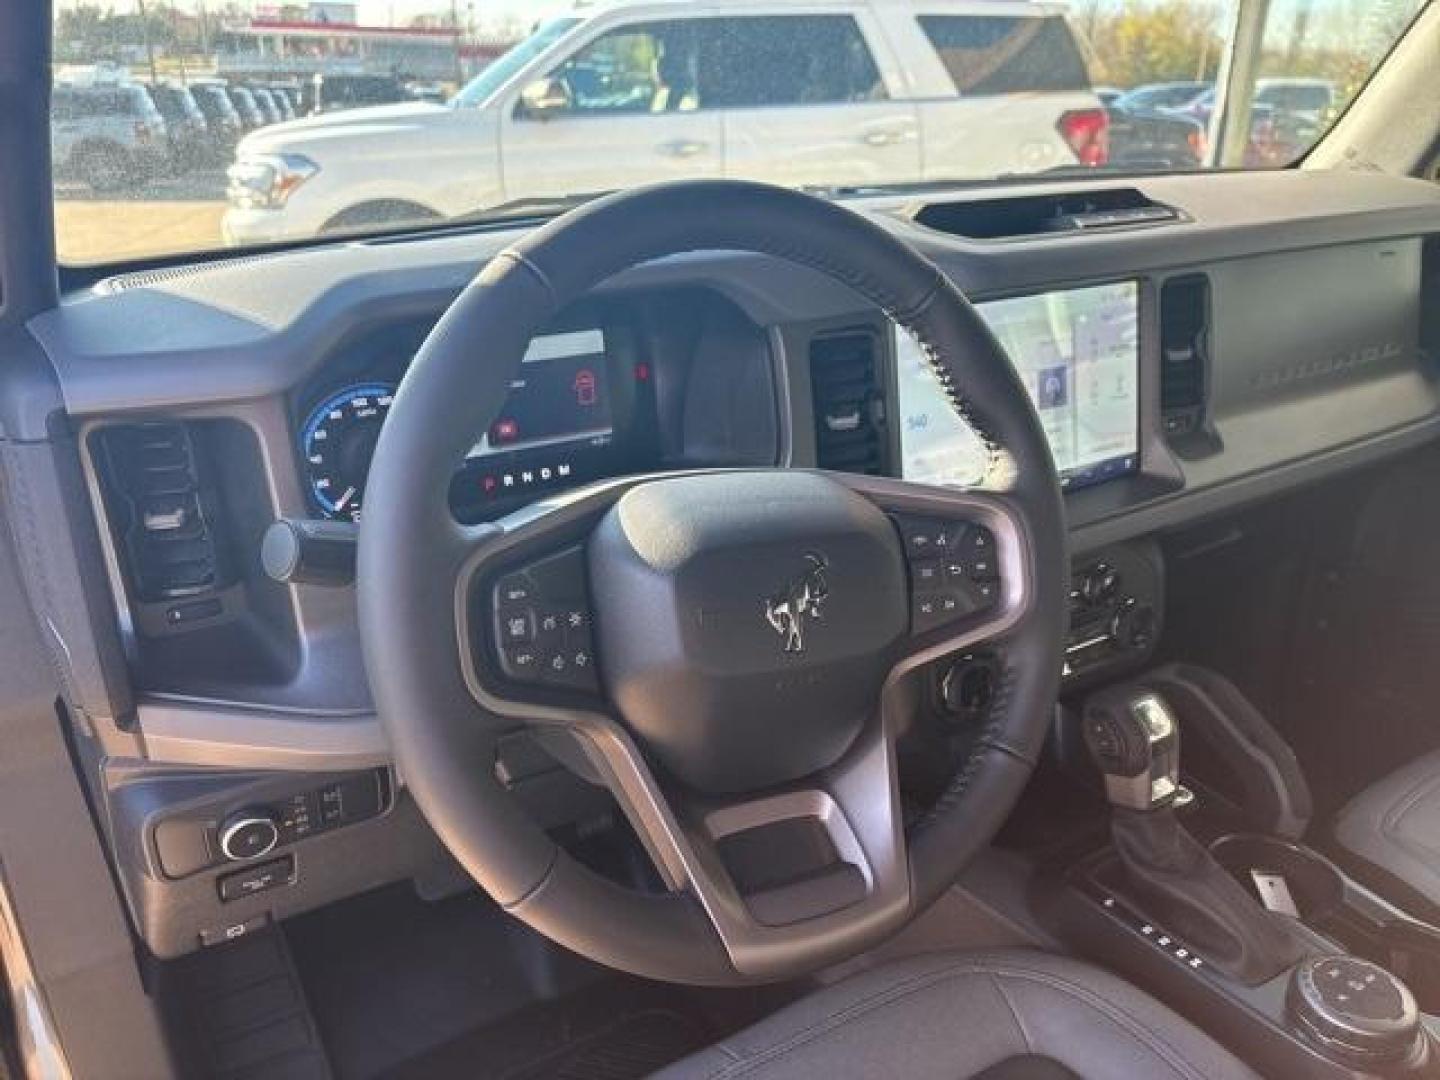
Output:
x=581 y=408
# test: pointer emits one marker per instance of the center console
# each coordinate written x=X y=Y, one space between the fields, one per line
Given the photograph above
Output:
x=1252 y=935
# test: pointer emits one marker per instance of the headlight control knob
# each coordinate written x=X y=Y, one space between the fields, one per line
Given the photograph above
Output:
x=248 y=834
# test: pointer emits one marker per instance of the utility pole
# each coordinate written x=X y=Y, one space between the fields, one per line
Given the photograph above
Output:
x=149 y=45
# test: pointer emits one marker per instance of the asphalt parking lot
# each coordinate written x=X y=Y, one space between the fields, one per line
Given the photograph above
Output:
x=168 y=214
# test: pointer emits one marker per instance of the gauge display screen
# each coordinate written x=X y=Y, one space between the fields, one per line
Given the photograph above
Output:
x=562 y=394
x=580 y=408
x=338 y=441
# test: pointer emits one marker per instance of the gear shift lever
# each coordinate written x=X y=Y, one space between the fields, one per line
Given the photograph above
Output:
x=1134 y=740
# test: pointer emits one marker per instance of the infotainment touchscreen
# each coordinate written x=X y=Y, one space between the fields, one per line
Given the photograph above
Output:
x=561 y=395
x=1077 y=352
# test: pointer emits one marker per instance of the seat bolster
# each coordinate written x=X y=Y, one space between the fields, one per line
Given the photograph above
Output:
x=951 y=1015
x=1393 y=828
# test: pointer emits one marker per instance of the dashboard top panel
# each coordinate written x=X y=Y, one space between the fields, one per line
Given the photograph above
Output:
x=246 y=327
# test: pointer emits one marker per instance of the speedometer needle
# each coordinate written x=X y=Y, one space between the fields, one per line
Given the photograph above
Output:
x=344 y=500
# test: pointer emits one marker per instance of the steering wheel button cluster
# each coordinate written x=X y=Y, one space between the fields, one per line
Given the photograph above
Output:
x=953 y=570
x=542 y=624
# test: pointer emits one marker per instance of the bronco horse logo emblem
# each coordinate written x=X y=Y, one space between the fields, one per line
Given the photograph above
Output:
x=802 y=598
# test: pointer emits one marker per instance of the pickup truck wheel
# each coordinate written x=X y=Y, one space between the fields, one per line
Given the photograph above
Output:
x=379 y=214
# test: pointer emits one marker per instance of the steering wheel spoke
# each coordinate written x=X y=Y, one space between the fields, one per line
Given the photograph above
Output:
x=784 y=876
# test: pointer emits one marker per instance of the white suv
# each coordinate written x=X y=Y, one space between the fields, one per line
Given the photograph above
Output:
x=797 y=92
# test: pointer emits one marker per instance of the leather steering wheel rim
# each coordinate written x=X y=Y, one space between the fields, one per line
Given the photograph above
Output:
x=412 y=549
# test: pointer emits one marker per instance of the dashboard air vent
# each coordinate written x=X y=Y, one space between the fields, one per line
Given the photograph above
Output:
x=156 y=501
x=849 y=404
x=1184 y=354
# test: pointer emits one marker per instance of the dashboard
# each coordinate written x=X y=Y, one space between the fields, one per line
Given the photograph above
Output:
x=584 y=408
x=1265 y=332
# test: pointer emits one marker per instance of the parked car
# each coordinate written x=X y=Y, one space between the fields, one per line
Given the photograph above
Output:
x=269 y=108
x=248 y=108
x=1154 y=139
x=1165 y=95
x=224 y=123
x=282 y=102
x=109 y=135
x=636 y=92
x=185 y=125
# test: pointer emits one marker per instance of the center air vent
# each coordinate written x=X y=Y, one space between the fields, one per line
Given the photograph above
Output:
x=156 y=500
x=849 y=404
x=1184 y=354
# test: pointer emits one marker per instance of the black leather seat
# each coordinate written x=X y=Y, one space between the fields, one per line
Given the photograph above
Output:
x=1000 y=1016
x=1389 y=836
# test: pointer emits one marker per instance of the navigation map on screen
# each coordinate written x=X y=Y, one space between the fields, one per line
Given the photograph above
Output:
x=1077 y=352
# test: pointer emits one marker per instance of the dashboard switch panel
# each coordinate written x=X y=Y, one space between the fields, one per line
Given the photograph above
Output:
x=542 y=619
x=209 y=834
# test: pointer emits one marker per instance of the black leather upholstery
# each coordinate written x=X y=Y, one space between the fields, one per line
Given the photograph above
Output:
x=953 y=1015
x=1391 y=835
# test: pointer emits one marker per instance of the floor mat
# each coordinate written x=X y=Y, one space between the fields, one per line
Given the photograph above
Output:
x=568 y=1040
x=457 y=990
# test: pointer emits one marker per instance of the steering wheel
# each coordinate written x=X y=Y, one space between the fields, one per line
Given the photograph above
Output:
x=753 y=628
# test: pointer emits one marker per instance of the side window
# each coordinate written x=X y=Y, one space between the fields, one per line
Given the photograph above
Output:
x=789 y=60
x=62 y=104
x=648 y=67
x=1007 y=54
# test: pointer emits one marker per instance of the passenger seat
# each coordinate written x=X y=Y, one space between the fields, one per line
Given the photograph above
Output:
x=1391 y=835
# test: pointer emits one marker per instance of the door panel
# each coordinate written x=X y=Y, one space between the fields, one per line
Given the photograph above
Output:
x=629 y=109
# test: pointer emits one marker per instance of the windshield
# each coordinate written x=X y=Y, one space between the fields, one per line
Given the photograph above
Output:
x=831 y=97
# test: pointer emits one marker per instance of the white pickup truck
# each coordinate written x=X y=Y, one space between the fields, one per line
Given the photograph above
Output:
x=797 y=92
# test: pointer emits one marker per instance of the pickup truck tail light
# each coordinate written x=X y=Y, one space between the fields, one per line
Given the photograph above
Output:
x=1087 y=133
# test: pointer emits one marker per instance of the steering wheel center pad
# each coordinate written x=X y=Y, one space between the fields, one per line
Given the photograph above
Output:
x=748 y=620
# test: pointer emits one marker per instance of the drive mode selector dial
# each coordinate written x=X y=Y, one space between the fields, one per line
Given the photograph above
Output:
x=1357 y=1011
x=248 y=834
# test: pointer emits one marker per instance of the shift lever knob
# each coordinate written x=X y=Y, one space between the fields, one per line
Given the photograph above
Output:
x=1134 y=740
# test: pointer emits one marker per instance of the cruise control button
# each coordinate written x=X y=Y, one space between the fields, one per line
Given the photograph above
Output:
x=517 y=626
x=985 y=593
x=514 y=589
x=928 y=612
x=976 y=542
x=522 y=663
x=550 y=627
x=927 y=573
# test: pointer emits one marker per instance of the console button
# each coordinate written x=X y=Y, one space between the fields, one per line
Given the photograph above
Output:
x=258 y=878
x=248 y=834
x=181 y=846
x=233 y=931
